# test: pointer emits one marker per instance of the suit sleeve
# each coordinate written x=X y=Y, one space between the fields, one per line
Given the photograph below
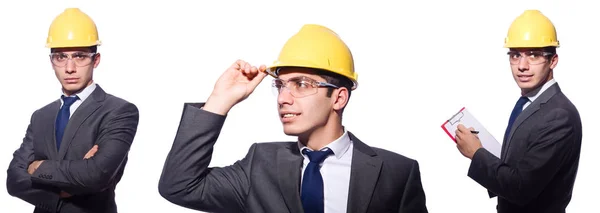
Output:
x=97 y=173
x=522 y=182
x=413 y=199
x=187 y=180
x=18 y=180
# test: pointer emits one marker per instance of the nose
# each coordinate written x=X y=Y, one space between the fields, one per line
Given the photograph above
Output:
x=284 y=97
x=523 y=64
x=70 y=67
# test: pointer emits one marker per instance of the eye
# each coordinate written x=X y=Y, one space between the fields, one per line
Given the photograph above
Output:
x=514 y=55
x=59 y=56
x=302 y=84
x=277 y=84
x=80 y=56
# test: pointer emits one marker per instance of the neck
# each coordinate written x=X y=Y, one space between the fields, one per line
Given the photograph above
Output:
x=540 y=85
x=69 y=93
x=321 y=137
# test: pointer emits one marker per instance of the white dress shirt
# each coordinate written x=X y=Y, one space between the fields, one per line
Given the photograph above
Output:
x=84 y=94
x=537 y=92
x=335 y=170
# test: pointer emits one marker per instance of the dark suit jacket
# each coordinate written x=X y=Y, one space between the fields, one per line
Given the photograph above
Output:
x=539 y=158
x=101 y=119
x=268 y=178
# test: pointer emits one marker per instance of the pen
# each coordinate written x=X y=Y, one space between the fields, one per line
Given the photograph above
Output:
x=474 y=132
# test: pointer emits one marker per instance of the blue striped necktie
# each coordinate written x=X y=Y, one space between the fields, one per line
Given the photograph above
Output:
x=312 y=182
x=515 y=113
x=63 y=118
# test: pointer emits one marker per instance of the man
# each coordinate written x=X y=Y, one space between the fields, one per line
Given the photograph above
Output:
x=75 y=148
x=540 y=151
x=314 y=76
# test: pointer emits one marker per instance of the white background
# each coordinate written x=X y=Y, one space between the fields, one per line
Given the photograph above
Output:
x=418 y=63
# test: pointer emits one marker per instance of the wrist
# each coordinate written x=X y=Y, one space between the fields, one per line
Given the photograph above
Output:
x=218 y=104
x=475 y=152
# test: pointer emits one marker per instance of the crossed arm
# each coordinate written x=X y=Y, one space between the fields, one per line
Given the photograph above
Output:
x=18 y=181
x=35 y=164
x=41 y=182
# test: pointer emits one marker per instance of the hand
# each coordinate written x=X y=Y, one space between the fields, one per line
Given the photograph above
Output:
x=33 y=166
x=63 y=194
x=234 y=86
x=467 y=142
x=91 y=153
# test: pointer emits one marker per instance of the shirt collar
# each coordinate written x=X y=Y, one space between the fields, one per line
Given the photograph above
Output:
x=338 y=146
x=84 y=94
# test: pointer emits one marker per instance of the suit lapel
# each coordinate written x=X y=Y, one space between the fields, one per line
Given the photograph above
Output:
x=87 y=108
x=289 y=165
x=50 y=133
x=530 y=110
x=363 y=176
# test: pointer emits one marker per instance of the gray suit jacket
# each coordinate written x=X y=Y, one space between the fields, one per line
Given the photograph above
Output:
x=101 y=119
x=539 y=158
x=268 y=178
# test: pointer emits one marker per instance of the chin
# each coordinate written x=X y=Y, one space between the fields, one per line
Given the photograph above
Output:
x=72 y=87
x=291 y=130
x=527 y=86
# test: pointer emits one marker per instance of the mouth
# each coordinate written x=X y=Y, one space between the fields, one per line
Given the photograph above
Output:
x=71 y=80
x=288 y=116
x=524 y=78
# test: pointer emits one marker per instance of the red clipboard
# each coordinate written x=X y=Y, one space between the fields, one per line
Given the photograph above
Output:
x=463 y=116
x=444 y=125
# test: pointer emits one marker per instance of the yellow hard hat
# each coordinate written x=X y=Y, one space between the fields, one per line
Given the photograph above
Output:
x=531 y=29
x=72 y=28
x=316 y=46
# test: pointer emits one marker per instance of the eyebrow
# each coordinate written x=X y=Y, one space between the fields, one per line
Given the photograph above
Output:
x=76 y=52
x=299 y=78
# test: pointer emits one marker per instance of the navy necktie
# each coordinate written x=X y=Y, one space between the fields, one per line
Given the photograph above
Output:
x=515 y=112
x=312 y=182
x=63 y=118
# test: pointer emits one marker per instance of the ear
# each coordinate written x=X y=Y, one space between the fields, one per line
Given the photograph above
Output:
x=340 y=98
x=553 y=61
x=97 y=60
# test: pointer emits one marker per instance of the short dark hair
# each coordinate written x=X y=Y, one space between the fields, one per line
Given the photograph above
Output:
x=550 y=50
x=335 y=79
x=338 y=80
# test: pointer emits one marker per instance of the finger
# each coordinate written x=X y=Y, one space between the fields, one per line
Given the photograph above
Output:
x=458 y=136
x=239 y=64
x=262 y=68
x=471 y=128
x=94 y=150
x=247 y=68
x=91 y=153
x=257 y=79
x=251 y=72
x=461 y=128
